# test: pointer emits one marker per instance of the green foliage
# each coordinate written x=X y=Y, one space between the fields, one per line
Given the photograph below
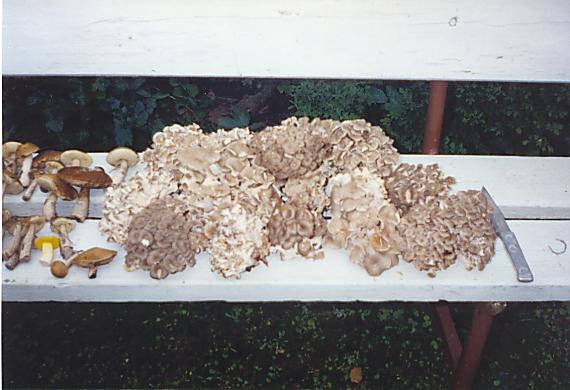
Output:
x=332 y=99
x=494 y=118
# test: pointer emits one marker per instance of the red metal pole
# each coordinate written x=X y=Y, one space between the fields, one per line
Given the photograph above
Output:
x=434 y=118
x=450 y=333
x=471 y=356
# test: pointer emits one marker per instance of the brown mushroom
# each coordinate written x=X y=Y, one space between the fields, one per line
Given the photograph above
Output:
x=40 y=163
x=58 y=188
x=36 y=223
x=24 y=159
x=91 y=258
x=10 y=183
x=9 y=155
x=86 y=179
x=122 y=158
x=63 y=226
x=15 y=226
x=75 y=158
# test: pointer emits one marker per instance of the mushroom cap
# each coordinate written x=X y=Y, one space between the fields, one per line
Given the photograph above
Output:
x=14 y=221
x=68 y=156
x=85 y=177
x=119 y=154
x=38 y=221
x=60 y=222
x=53 y=166
x=5 y=215
x=40 y=241
x=56 y=185
x=59 y=269
x=14 y=186
x=44 y=156
x=94 y=257
x=9 y=148
x=26 y=149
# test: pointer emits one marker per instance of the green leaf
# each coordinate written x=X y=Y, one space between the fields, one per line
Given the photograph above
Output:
x=137 y=83
x=191 y=89
x=227 y=123
x=179 y=92
x=123 y=136
x=241 y=116
x=377 y=96
x=161 y=95
x=55 y=125
x=143 y=93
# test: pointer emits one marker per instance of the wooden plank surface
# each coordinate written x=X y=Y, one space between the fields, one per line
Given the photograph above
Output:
x=524 y=187
x=332 y=279
x=508 y=40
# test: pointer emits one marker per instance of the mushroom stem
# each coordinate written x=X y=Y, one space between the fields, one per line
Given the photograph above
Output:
x=30 y=190
x=47 y=253
x=25 y=171
x=15 y=243
x=92 y=274
x=65 y=246
x=122 y=170
x=27 y=241
x=12 y=262
x=49 y=206
x=81 y=208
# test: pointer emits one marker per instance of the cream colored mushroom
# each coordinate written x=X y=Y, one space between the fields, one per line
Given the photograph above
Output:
x=57 y=188
x=9 y=155
x=75 y=158
x=62 y=227
x=24 y=158
x=122 y=158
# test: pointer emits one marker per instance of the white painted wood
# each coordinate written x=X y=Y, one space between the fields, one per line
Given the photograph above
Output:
x=508 y=40
x=524 y=187
x=332 y=279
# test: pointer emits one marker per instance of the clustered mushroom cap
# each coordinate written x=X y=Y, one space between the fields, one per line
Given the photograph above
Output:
x=162 y=239
x=293 y=148
x=40 y=160
x=239 y=240
x=363 y=220
x=358 y=144
x=434 y=234
x=296 y=230
x=411 y=184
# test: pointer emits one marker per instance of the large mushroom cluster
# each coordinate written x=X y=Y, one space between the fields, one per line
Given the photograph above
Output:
x=240 y=196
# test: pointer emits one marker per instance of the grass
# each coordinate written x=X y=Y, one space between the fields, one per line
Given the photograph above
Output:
x=288 y=345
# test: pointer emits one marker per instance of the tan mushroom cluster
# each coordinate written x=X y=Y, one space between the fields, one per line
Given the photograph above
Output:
x=363 y=220
x=296 y=230
x=293 y=148
x=436 y=233
x=161 y=239
x=411 y=184
x=358 y=144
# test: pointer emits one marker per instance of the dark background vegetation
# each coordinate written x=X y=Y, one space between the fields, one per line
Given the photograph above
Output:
x=288 y=345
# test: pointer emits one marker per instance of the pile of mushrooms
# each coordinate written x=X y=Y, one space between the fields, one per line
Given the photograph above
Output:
x=244 y=195
x=55 y=173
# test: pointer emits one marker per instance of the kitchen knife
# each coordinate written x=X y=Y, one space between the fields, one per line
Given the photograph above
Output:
x=509 y=239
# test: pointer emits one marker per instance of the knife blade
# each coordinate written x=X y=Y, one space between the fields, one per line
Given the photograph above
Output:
x=509 y=240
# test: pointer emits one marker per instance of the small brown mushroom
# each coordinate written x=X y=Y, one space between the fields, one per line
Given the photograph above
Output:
x=122 y=158
x=39 y=164
x=9 y=155
x=91 y=258
x=15 y=226
x=75 y=158
x=10 y=183
x=24 y=159
x=36 y=223
x=63 y=226
x=86 y=179
x=58 y=188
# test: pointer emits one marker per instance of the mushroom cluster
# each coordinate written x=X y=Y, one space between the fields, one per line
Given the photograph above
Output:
x=358 y=144
x=297 y=230
x=293 y=148
x=161 y=239
x=363 y=220
x=411 y=184
x=435 y=233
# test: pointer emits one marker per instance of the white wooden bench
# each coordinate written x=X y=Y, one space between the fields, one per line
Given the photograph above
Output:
x=512 y=40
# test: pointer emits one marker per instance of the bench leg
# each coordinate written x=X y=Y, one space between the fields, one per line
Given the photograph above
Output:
x=465 y=361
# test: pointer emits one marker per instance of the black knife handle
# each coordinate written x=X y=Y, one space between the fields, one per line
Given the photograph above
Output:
x=515 y=252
